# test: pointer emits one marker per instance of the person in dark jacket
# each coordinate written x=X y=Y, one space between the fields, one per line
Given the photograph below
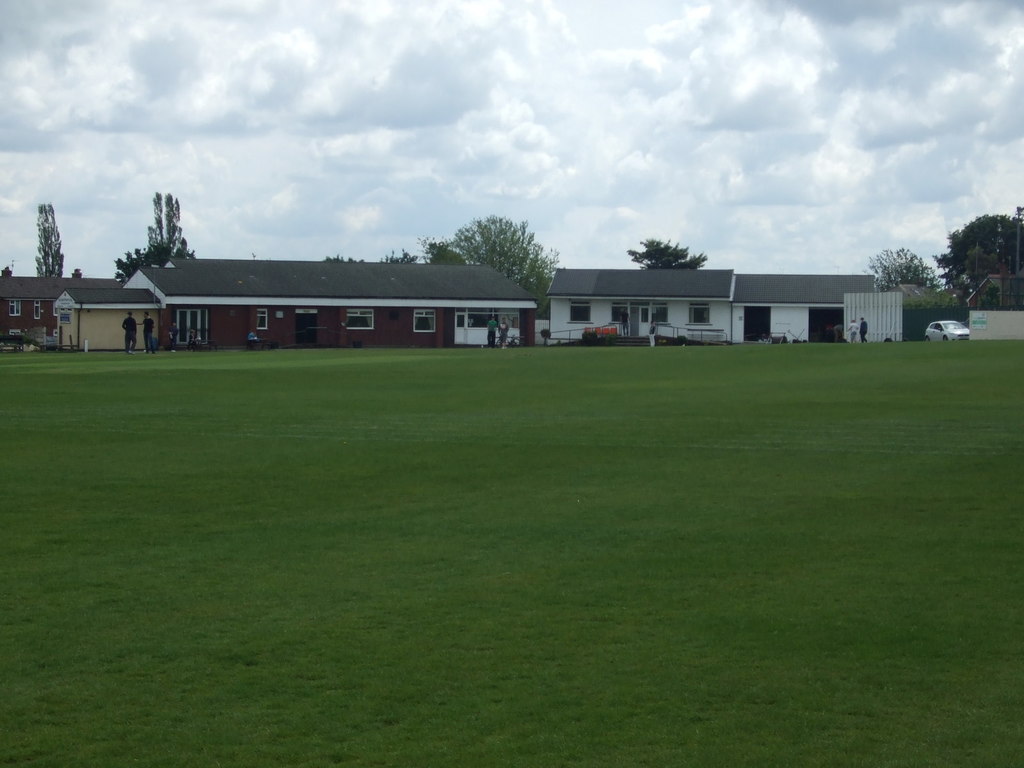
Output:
x=130 y=331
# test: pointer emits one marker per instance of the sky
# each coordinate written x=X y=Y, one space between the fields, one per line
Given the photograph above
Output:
x=775 y=136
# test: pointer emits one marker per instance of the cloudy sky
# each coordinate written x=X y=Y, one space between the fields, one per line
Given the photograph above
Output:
x=799 y=136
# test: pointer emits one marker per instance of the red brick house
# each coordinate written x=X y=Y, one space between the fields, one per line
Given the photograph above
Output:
x=325 y=303
x=28 y=304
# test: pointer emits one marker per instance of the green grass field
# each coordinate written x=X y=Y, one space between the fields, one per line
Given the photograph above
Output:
x=750 y=556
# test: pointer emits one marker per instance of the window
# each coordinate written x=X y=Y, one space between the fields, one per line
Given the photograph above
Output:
x=360 y=318
x=659 y=313
x=423 y=321
x=700 y=314
x=14 y=309
x=37 y=309
x=579 y=311
x=189 y=319
x=261 y=320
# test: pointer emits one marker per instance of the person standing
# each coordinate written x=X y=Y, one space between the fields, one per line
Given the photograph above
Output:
x=130 y=330
x=148 y=340
x=503 y=333
x=172 y=337
x=624 y=322
x=863 y=331
x=492 y=331
x=851 y=331
x=652 y=331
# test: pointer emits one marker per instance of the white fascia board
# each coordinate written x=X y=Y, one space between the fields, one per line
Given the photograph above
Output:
x=125 y=306
x=295 y=301
x=640 y=299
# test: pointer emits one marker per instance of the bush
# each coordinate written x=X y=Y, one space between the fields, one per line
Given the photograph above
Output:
x=594 y=339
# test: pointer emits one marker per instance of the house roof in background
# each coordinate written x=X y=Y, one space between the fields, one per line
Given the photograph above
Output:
x=328 y=279
x=799 y=289
x=643 y=283
x=114 y=296
x=49 y=287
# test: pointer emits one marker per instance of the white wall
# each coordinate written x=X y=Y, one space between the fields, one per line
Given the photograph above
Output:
x=883 y=311
x=996 y=325
x=601 y=314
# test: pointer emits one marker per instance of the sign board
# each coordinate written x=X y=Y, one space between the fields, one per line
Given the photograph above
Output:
x=979 y=321
x=64 y=304
x=65 y=318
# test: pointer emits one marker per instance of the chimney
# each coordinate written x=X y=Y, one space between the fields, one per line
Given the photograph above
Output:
x=8 y=272
x=77 y=274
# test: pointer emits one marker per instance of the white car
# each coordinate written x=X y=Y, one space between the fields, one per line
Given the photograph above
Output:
x=947 y=330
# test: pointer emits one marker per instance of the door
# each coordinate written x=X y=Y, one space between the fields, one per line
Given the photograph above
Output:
x=757 y=323
x=305 y=327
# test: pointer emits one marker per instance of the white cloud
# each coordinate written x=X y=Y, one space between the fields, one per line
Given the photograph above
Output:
x=774 y=135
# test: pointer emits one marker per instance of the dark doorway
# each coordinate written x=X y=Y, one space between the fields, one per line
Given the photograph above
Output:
x=822 y=324
x=305 y=328
x=757 y=323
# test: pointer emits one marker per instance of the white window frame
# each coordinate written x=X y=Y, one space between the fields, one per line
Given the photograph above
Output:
x=14 y=308
x=424 y=313
x=361 y=313
x=37 y=309
x=262 y=323
x=579 y=305
x=694 y=308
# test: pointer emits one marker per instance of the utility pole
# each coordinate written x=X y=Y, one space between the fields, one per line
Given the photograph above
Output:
x=1016 y=266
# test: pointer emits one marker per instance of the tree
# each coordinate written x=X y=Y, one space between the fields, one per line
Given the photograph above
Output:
x=658 y=254
x=165 y=240
x=510 y=248
x=439 y=252
x=902 y=267
x=166 y=229
x=404 y=258
x=50 y=261
x=154 y=255
x=977 y=250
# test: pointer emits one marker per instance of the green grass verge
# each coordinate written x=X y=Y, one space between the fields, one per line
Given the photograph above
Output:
x=748 y=556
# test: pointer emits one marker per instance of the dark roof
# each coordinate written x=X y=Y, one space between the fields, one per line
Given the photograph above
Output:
x=118 y=296
x=49 y=287
x=799 y=289
x=636 y=283
x=329 y=279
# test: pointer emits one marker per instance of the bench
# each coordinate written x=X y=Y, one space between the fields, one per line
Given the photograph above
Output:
x=260 y=344
x=12 y=343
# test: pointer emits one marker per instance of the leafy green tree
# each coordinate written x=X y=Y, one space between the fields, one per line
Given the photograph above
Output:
x=977 y=250
x=510 y=248
x=662 y=254
x=439 y=252
x=404 y=258
x=154 y=255
x=931 y=299
x=902 y=267
x=50 y=261
x=166 y=229
x=165 y=240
